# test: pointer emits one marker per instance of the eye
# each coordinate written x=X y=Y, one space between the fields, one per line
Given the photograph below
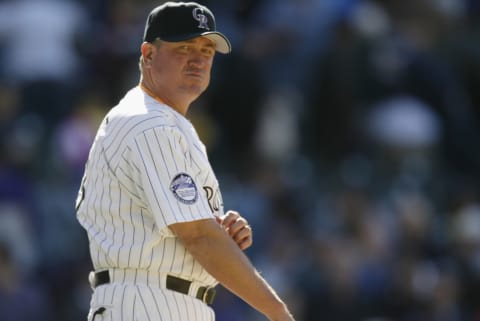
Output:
x=183 y=48
x=208 y=51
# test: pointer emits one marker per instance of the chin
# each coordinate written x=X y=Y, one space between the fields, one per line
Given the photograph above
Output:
x=196 y=87
x=193 y=91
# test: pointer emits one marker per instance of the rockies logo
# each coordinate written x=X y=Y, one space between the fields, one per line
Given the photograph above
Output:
x=184 y=189
x=201 y=18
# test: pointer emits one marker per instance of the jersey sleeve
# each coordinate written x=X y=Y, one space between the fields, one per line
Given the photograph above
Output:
x=169 y=177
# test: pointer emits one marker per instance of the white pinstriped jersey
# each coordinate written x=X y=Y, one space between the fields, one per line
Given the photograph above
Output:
x=146 y=170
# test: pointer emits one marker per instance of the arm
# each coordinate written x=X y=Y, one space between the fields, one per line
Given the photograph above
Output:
x=220 y=255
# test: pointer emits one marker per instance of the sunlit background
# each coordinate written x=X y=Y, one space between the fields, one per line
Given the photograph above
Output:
x=345 y=131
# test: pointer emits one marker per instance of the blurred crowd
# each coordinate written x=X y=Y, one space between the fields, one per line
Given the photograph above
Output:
x=346 y=131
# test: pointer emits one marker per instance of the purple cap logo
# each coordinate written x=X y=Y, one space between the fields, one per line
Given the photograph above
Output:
x=201 y=18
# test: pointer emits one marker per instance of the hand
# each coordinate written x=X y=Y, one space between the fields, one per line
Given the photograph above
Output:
x=238 y=228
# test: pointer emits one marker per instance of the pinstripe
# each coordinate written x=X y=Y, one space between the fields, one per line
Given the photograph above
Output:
x=122 y=244
x=134 y=308
x=183 y=260
x=151 y=255
x=112 y=223
x=174 y=252
x=122 y=304
x=96 y=215
x=103 y=231
x=104 y=293
x=142 y=248
x=113 y=294
x=133 y=234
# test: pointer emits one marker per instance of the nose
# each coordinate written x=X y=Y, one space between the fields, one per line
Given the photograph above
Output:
x=197 y=60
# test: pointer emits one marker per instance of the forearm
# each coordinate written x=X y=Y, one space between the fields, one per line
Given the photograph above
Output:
x=223 y=259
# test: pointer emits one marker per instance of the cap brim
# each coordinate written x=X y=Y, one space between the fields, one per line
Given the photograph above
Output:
x=222 y=44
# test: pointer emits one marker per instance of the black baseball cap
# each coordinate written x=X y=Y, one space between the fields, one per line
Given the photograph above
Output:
x=178 y=21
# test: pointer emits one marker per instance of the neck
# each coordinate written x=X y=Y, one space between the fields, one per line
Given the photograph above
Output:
x=179 y=107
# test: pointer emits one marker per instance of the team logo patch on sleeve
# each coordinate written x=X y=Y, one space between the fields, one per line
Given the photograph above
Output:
x=184 y=189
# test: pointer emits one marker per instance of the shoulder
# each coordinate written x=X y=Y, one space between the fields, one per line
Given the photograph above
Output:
x=138 y=112
x=136 y=118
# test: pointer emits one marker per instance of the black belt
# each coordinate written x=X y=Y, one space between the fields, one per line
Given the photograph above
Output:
x=173 y=283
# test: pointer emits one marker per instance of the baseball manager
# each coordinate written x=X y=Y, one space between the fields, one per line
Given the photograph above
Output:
x=149 y=200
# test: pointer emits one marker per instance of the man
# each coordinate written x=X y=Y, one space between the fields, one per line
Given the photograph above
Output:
x=149 y=200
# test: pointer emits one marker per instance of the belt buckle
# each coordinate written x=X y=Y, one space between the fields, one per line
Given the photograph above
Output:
x=208 y=295
x=91 y=279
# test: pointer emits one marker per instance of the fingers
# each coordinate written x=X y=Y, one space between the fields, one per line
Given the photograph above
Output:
x=230 y=218
x=236 y=225
x=238 y=228
x=244 y=237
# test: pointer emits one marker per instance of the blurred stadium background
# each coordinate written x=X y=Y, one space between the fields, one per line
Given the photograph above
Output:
x=346 y=131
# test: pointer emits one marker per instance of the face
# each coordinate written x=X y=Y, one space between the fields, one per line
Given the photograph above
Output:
x=181 y=69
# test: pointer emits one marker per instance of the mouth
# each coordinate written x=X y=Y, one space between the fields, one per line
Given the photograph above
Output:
x=194 y=73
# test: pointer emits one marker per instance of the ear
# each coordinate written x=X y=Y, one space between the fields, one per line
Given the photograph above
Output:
x=148 y=51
